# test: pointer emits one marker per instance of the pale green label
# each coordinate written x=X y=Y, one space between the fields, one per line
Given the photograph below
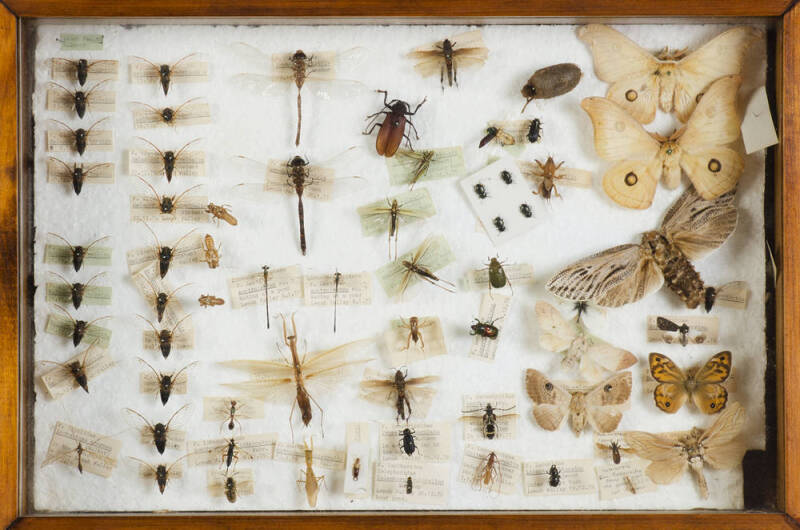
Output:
x=81 y=41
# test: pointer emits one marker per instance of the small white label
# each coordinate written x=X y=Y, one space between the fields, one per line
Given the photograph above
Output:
x=758 y=131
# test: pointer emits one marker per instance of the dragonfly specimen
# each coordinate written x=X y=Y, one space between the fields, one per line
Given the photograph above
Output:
x=399 y=391
x=445 y=57
x=298 y=177
x=419 y=265
x=317 y=69
x=290 y=378
x=404 y=208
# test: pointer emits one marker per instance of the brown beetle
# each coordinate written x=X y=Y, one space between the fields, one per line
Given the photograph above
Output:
x=393 y=128
x=550 y=82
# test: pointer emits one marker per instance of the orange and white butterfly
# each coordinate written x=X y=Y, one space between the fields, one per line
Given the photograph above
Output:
x=671 y=454
x=595 y=357
x=641 y=81
x=703 y=384
x=642 y=158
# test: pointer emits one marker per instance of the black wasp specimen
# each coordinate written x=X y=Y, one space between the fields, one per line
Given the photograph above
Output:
x=168 y=115
x=534 y=131
x=82 y=67
x=499 y=224
x=79 y=327
x=506 y=176
x=164 y=337
x=486 y=330
x=665 y=324
x=159 y=431
x=80 y=135
x=162 y=298
x=78 y=251
x=165 y=254
x=161 y=472
x=480 y=190
x=77 y=369
x=393 y=128
x=80 y=98
x=169 y=158
x=78 y=173
x=555 y=476
x=409 y=486
x=489 y=419
x=525 y=210
x=407 y=441
x=168 y=203
x=165 y=71
x=77 y=289
x=166 y=382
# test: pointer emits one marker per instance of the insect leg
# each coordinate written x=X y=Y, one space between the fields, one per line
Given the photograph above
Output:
x=321 y=414
x=413 y=128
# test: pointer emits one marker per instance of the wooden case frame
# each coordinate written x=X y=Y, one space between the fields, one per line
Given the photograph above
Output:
x=14 y=285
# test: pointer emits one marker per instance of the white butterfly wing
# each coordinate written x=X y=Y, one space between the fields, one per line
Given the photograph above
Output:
x=555 y=332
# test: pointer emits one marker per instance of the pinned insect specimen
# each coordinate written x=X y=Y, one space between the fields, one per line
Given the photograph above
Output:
x=671 y=79
x=161 y=473
x=230 y=410
x=600 y=405
x=80 y=100
x=692 y=228
x=666 y=324
x=77 y=290
x=317 y=70
x=191 y=111
x=497 y=274
x=405 y=208
x=445 y=57
x=545 y=175
x=499 y=224
x=310 y=479
x=161 y=299
x=356 y=471
x=165 y=254
x=180 y=70
x=81 y=138
x=231 y=489
x=76 y=369
x=167 y=204
x=158 y=433
x=291 y=377
x=166 y=383
x=489 y=419
x=407 y=441
x=337 y=276
x=212 y=254
x=705 y=385
x=671 y=455
x=525 y=210
x=593 y=356
x=221 y=212
x=400 y=391
x=555 y=476
x=82 y=69
x=419 y=265
x=172 y=160
x=414 y=326
x=79 y=327
x=231 y=451
x=265 y=268
x=409 y=486
x=79 y=252
x=497 y=134
x=534 y=131
x=209 y=300
x=164 y=336
x=550 y=82
x=615 y=456
x=410 y=167
x=231 y=485
x=78 y=173
x=641 y=159
x=84 y=449
x=480 y=191
x=393 y=127
x=488 y=474
x=305 y=180
x=486 y=330
x=422 y=160
x=514 y=132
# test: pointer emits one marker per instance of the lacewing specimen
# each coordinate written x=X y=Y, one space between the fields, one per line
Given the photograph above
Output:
x=393 y=127
x=165 y=73
x=79 y=327
x=692 y=228
x=169 y=158
x=400 y=391
x=81 y=69
x=400 y=209
x=445 y=57
x=164 y=254
x=489 y=418
x=298 y=177
x=550 y=82
x=77 y=369
x=316 y=69
x=77 y=289
x=158 y=432
x=311 y=481
x=290 y=378
x=161 y=299
x=81 y=137
x=164 y=336
x=161 y=473
x=78 y=173
x=165 y=383
x=79 y=252
x=80 y=99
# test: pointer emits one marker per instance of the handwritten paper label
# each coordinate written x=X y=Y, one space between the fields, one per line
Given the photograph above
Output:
x=378 y=387
x=175 y=437
x=431 y=441
x=493 y=473
x=59 y=172
x=181 y=72
x=248 y=447
x=733 y=295
x=351 y=289
x=473 y=410
x=97 y=71
x=412 y=206
x=99 y=453
x=575 y=477
x=149 y=163
x=284 y=284
x=148 y=384
x=219 y=408
x=494 y=308
x=623 y=480
x=149 y=283
x=59 y=381
x=182 y=336
x=412 y=482
x=81 y=41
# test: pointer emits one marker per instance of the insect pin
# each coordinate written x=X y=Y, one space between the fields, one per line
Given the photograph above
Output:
x=221 y=212
x=159 y=433
x=79 y=327
x=80 y=99
x=79 y=252
x=169 y=158
x=80 y=136
x=164 y=337
x=337 y=277
x=77 y=289
x=209 y=300
x=165 y=384
x=393 y=127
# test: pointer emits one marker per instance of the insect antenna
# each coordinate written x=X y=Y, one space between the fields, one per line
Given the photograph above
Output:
x=175 y=414
x=90 y=245
x=157 y=374
x=62 y=278
x=152 y=145
x=62 y=239
x=158 y=243
x=66 y=166
x=147 y=422
x=178 y=198
x=175 y=290
x=94 y=167
x=150 y=323
x=147 y=61
x=184 y=104
x=179 y=372
x=68 y=91
x=152 y=189
x=179 y=61
x=153 y=469
x=66 y=313
x=178 y=323
x=96 y=320
x=96 y=86
x=178 y=242
x=182 y=149
x=337 y=276
x=93 y=125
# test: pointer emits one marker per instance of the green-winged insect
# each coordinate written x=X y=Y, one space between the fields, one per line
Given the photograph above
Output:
x=79 y=252
x=77 y=289
x=79 y=327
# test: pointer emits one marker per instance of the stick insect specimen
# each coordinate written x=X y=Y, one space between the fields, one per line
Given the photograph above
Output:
x=399 y=391
x=78 y=173
x=289 y=378
x=311 y=481
x=401 y=209
x=79 y=252
x=159 y=433
x=419 y=265
x=166 y=383
x=161 y=473
x=317 y=69
x=445 y=57
x=79 y=327
x=172 y=160
x=166 y=73
x=164 y=336
x=79 y=100
x=83 y=68
x=77 y=290
x=81 y=137
x=298 y=177
x=393 y=127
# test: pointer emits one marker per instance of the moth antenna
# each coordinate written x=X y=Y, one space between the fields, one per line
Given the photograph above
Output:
x=158 y=197
x=151 y=325
x=178 y=198
x=157 y=374
x=143 y=462
x=178 y=323
x=179 y=61
x=97 y=319
x=152 y=145
x=70 y=129
x=185 y=103
x=96 y=241
x=66 y=313
x=158 y=243
x=66 y=166
x=143 y=418
x=177 y=289
x=182 y=149
x=176 y=413
x=96 y=86
x=62 y=278
x=147 y=61
x=178 y=242
x=62 y=239
x=93 y=125
x=179 y=372
x=68 y=91
x=93 y=278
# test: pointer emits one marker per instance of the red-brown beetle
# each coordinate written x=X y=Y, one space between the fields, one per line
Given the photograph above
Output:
x=393 y=128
